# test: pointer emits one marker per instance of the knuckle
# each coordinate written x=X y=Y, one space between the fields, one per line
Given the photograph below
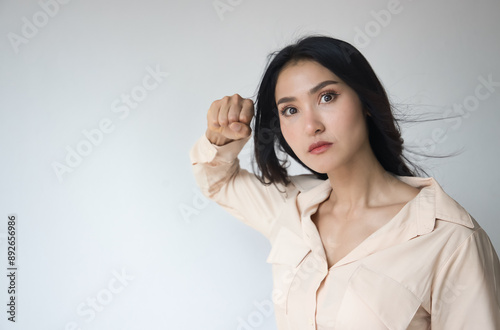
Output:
x=235 y=101
x=214 y=122
x=223 y=120
x=248 y=101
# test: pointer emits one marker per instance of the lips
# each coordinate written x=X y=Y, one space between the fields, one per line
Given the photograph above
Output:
x=319 y=146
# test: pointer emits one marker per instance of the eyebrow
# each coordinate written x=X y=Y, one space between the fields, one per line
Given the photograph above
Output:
x=311 y=91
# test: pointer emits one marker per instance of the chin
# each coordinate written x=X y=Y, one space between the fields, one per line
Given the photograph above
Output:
x=319 y=169
x=320 y=165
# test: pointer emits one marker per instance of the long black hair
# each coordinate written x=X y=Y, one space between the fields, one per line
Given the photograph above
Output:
x=346 y=62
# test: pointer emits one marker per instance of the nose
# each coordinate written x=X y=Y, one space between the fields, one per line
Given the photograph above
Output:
x=312 y=122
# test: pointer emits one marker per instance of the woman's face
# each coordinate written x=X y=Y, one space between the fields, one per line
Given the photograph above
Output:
x=321 y=117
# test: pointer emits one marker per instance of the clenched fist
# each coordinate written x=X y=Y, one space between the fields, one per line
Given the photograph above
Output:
x=228 y=119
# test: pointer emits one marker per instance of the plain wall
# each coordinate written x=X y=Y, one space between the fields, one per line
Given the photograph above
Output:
x=119 y=238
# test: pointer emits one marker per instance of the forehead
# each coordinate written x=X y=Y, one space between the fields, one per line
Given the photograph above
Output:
x=303 y=64
x=302 y=74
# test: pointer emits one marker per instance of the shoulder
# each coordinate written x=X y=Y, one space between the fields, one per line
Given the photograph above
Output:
x=453 y=223
x=433 y=203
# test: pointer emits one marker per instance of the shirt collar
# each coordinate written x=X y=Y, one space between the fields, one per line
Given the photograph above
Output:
x=436 y=203
x=431 y=203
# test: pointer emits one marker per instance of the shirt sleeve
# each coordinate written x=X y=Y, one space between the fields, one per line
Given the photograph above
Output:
x=466 y=292
x=218 y=174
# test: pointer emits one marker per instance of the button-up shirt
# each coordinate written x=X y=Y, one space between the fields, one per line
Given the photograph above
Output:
x=430 y=266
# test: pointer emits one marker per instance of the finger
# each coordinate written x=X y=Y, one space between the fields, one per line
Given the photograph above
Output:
x=233 y=114
x=247 y=111
x=223 y=111
x=213 y=116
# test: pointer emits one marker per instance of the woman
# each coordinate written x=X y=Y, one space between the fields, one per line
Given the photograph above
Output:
x=362 y=242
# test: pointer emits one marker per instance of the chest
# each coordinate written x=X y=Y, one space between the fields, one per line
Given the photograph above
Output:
x=340 y=236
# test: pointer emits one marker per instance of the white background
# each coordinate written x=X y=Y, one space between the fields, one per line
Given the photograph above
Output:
x=121 y=208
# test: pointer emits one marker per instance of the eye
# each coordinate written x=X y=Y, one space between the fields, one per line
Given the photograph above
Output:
x=288 y=111
x=328 y=96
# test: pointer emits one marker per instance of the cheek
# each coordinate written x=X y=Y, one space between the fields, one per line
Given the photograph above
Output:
x=353 y=122
x=283 y=129
x=289 y=135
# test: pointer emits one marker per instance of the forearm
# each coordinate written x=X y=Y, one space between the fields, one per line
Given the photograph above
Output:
x=218 y=174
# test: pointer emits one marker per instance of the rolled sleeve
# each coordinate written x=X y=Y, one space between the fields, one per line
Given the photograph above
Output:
x=204 y=151
x=217 y=172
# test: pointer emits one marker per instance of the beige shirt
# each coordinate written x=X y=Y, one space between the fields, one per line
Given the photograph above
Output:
x=431 y=266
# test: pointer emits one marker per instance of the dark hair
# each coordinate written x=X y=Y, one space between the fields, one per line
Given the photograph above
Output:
x=346 y=62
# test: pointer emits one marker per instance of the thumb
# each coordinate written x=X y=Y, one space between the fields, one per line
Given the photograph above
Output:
x=240 y=129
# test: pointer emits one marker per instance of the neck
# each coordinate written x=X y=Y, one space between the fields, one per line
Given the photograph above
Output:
x=361 y=184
